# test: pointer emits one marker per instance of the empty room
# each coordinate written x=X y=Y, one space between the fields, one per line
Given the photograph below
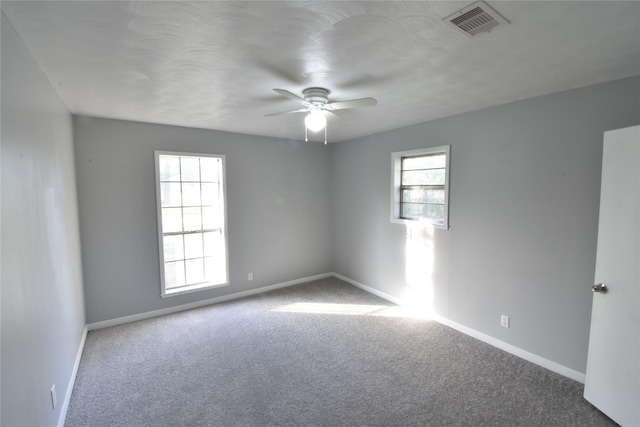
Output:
x=319 y=213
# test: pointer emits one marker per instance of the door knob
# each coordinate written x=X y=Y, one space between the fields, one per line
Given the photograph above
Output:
x=600 y=288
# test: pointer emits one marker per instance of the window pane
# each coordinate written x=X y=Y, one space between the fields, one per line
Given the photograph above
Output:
x=171 y=220
x=170 y=194
x=211 y=218
x=213 y=244
x=191 y=194
x=192 y=219
x=424 y=162
x=169 y=168
x=173 y=248
x=423 y=195
x=214 y=269
x=209 y=269
x=174 y=274
x=423 y=177
x=209 y=168
x=195 y=271
x=193 y=245
x=435 y=212
x=420 y=210
x=190 y=168
x=210 y=194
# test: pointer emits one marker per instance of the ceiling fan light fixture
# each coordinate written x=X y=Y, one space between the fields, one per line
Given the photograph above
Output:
x=315 y=121
x=317 y=106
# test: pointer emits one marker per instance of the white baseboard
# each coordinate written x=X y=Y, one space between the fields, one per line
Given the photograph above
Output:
x=516 y=351
x=509 y=348
x=72 y=380
x=368 y=289
x=203 y=303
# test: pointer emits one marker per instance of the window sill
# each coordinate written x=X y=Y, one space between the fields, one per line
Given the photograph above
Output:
x=192 y=288
x=423 y=222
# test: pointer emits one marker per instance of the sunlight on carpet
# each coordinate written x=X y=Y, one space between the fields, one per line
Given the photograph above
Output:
x=353 y=310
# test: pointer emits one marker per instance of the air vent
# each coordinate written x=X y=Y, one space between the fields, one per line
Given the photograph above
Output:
x=475 y=19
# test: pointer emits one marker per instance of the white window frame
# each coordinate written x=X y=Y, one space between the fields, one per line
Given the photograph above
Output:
x=223 y=185
x=396 y=169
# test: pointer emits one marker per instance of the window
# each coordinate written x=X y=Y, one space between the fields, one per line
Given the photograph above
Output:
x=191 y=199
x=420 y=186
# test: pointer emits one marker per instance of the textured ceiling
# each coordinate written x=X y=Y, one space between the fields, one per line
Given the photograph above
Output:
x=214 y=64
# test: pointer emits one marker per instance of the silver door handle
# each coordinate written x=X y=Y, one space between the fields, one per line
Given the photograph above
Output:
x=600 y=288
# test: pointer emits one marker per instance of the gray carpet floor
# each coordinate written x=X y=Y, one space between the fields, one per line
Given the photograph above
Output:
x=322 y=353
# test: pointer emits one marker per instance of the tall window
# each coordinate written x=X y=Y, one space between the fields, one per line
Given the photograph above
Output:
x=192 y=221
x=420 y=186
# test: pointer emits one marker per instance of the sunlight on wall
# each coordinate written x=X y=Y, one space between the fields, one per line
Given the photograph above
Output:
x=351 y=310
x=419 y=256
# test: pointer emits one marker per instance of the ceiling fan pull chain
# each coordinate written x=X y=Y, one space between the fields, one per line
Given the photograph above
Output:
x=306 y=138
x=325 y=135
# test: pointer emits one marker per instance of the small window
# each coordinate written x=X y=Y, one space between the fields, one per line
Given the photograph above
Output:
x=420 y=186
x=191 y=199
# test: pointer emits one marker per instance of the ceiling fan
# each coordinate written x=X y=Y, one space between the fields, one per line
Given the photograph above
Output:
x=316 y=104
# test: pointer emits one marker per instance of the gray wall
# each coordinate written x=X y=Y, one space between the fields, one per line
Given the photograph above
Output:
x=525 y=180
x=42 y=302
x=278 y=211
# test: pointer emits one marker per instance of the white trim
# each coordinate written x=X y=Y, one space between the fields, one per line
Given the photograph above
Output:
x=72 y=380
x=197 y=304
x=165 y=293
x=368 y=289
x=516 y=351
x=396 y=168
x=191 y=288
x=509 y=348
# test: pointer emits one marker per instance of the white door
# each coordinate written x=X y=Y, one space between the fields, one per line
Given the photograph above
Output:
x=613 y=364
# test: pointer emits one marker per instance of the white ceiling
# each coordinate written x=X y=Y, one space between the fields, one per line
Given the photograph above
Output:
x=214 y=64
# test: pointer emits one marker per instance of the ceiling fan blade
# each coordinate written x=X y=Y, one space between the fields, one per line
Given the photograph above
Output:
x=332 y=114
x=302 y=110
x=353 y=103
x=292 y=96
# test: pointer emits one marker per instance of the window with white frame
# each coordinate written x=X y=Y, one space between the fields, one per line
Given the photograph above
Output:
x=191 y=199
x=420 y=186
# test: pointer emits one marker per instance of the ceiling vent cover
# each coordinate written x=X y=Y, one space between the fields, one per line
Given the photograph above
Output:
x=475 y=19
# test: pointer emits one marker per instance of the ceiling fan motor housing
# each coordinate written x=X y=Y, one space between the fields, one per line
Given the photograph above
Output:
x=316 y=95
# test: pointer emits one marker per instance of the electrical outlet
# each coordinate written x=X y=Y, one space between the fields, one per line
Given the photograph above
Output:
x=504 y=321
x=53 y=397
x=250 y=277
